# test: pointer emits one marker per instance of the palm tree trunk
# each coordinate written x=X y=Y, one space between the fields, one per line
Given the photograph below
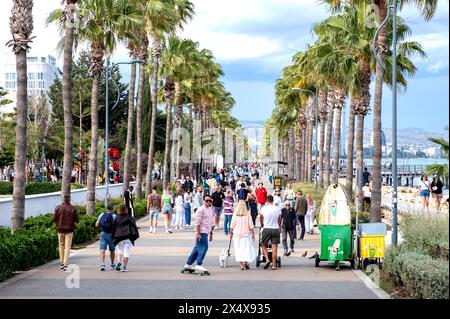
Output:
x=151 y=148
x=92 y=174
x=126 y=168
x=350 y=146
x=327 y=151
x=191 y=133
x=359 y=160
x=290 y=157
x=178 y=121
x=322 y=110
x=375 y=212
x=169 y=88
x=67 y=104
x=336 y=144
x=310 y=139
x=304 y=150
x=18 y=212
x=298 y=153
x=141 y=87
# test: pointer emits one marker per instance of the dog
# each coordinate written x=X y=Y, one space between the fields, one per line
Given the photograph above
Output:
x=223 y=258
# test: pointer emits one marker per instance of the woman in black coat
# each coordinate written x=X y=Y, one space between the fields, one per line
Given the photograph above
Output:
x=125 y=233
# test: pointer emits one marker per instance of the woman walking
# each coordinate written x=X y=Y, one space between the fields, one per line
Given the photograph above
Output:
x=310 y=214
x=289 y=194
x=167 y=210
x=243 y=235
x=253 y=205
x=179 y=210
x=125 y=233
x=424 y=187
x=197 y=200
x=436 y=189
x=187 y=207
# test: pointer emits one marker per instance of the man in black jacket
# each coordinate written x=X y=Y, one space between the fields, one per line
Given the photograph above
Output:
x=288 y=226
x=128 y=200
x=301 y=208
x=218 y=196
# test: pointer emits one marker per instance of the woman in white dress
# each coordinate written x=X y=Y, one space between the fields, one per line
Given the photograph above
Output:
x=179 y=210
x=309 y=218
x=243 y=234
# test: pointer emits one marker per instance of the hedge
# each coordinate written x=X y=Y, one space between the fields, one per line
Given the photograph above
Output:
x=34 y=188
x=420 y=263
x=37 y=242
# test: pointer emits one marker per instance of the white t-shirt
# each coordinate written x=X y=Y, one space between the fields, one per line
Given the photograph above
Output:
x=271 y=214
x=424 y=185
x=366 y=191
x=277 y=201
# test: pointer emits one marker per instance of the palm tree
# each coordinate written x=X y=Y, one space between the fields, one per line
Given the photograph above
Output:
x=161 y=16
x=21 y=26
x=101 y=30
x=439 y=169
x=322 y=110
x=67 y=22
x=428 y=9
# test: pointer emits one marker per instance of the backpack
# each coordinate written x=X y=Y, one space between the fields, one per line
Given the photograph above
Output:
x=106 y=222
x=241 y=194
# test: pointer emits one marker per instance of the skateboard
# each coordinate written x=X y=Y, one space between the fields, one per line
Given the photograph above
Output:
x=192 y=271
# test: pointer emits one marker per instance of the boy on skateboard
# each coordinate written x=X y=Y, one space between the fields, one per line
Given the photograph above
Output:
x=204 y=222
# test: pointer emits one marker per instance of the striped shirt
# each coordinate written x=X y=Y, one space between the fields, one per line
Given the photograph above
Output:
x=228 y=203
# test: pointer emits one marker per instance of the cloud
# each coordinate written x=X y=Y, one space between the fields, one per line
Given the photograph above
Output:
x=437 y=67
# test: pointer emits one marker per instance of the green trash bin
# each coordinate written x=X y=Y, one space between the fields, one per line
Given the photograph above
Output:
x=335 y=244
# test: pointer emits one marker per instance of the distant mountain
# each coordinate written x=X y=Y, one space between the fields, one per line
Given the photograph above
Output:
x=408 y=136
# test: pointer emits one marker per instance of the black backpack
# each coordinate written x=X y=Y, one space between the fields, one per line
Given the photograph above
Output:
x=106 y=222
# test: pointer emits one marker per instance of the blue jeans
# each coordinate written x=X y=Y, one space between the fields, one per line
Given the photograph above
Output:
x=187 y=213
x=199 y=251
x=107 y=241
x=227 y=223
x=270 y=179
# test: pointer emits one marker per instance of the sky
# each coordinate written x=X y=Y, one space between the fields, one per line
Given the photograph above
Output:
x=255 y=39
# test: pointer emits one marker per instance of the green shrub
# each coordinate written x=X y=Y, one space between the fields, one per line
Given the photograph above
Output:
x=362 y=218
x=423 y=233
x=441 y=251
x=85 y=229
x=396 y=266
x=426 y=279
x=6 y=188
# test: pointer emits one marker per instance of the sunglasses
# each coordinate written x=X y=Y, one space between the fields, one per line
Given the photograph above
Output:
x=208 y=200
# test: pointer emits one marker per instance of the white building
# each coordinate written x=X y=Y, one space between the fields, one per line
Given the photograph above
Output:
x=41 y=72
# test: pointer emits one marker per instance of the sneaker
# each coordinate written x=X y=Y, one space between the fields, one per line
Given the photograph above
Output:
x=200 y=268
x=154 y=230
x=188 y=266
x=125 y=269
x=112 y=267
x=61 y=266
x=218 y=227
x=102 y=268
x=170 y=231
x=65 y=269
x=151 y=230
x=118 y=266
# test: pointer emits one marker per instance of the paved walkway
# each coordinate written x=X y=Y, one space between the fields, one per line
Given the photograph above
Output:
x=155 y=266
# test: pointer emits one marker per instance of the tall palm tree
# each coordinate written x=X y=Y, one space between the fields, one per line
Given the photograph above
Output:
x=66 y=19
x=21 y=26
x=323 y=112
x=428 y=9
x=327 y=147
x=101 y=30
x=161 y=16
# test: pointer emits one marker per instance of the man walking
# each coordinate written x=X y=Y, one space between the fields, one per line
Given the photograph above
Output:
x=65 y=217
x=288 y=226
x=301 y=208
x=154 y=206
x=270 y=219
x=218 y=196
x=106 y=221
x=228 y=208
x=261 y=194
x=128 y=200
x=204 y=221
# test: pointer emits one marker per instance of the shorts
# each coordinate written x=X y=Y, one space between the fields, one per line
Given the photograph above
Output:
x=437 y=195
x=218 y=211
x=154 y=214
x=124 y=248
x=167 y=209
x=270 y=235
x=106 y=241
x=367 y=200
x=425 y=193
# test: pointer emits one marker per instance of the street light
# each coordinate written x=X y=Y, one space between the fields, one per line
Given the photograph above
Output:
x=317 y=131
x=394 y=108
x=108 y=71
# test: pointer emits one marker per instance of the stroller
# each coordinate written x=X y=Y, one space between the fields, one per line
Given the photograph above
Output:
x=261 y=258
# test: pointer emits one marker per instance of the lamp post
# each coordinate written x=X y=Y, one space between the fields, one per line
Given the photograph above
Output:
x=317 y=133
x=394 y=109
x=108 y=71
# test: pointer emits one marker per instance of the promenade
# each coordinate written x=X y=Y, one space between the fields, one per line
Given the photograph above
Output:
x=154 y=272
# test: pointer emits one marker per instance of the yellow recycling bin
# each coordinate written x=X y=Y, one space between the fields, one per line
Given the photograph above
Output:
x=371 y=246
